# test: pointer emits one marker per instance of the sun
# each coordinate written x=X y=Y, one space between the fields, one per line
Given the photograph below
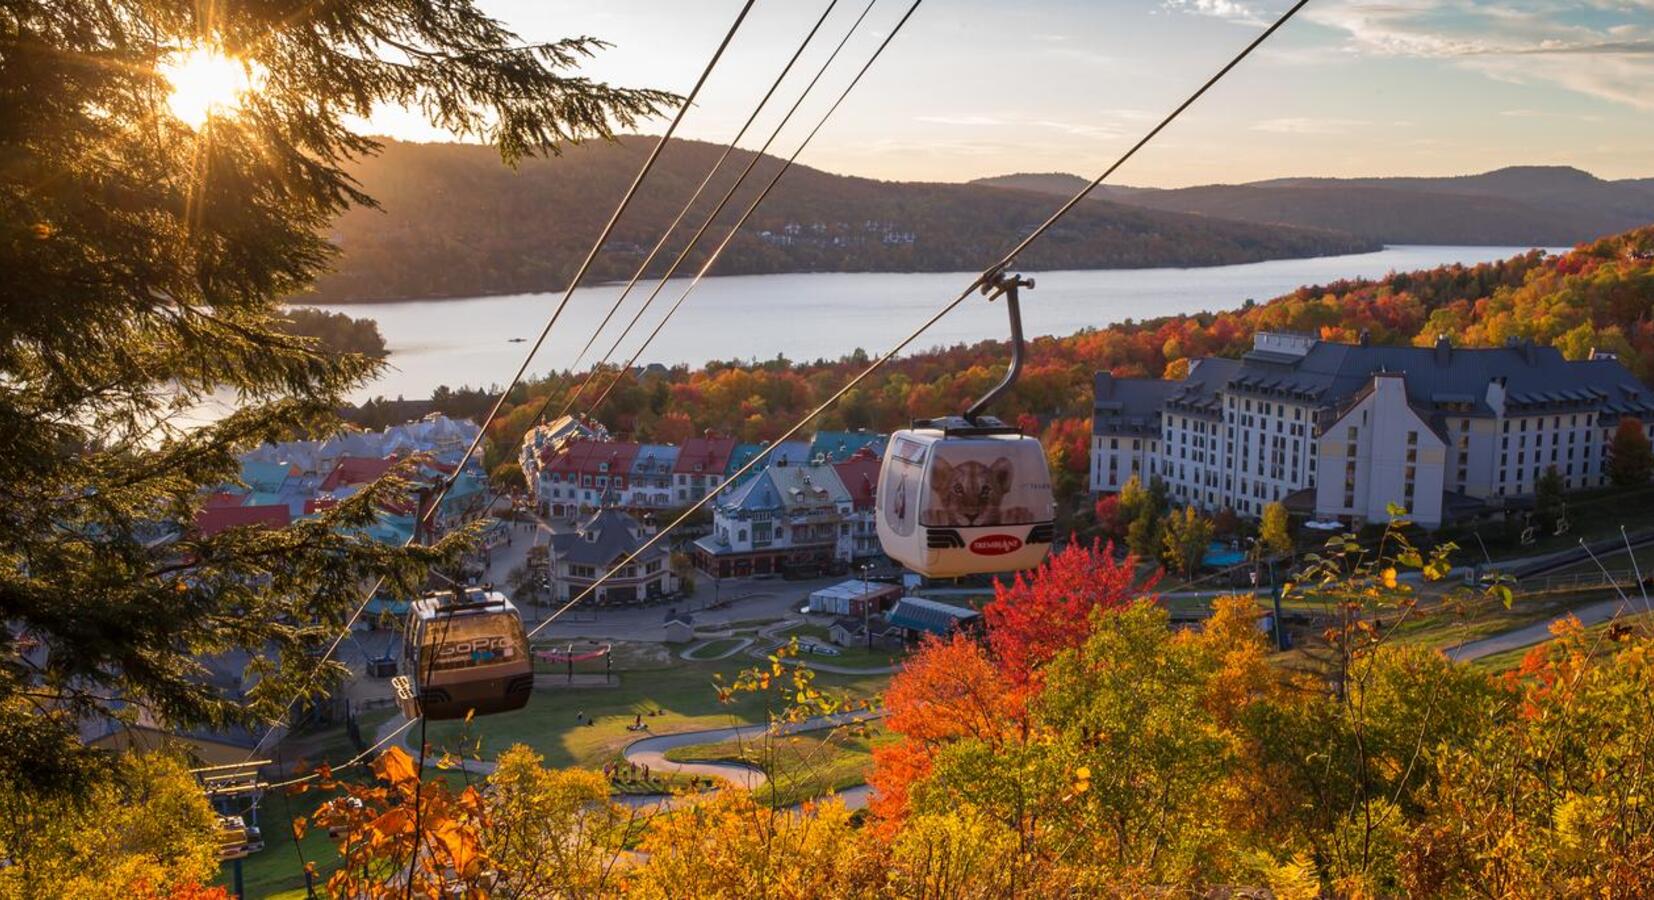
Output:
x=205 y=83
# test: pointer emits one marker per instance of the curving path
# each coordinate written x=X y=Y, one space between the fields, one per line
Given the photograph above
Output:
x=689 y=653
x=1539 y=632
x=651 y=751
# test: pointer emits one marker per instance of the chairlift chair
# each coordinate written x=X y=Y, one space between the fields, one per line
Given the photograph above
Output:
x=464 y=651
x=967 y=495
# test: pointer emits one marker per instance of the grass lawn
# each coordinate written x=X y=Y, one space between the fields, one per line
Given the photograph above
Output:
x=1440 y=627
x=1503 y=662
x=1616 y=561
x=1592 y=515
x=714 y=648
x=276 y=869
x=858 y=657
x=684 y=691
x=819 y=632
x=800 y=766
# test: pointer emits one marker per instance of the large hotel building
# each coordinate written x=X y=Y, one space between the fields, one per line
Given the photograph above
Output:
x=1341 y=431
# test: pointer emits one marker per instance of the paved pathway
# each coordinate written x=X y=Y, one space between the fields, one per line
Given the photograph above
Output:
x=776 y=632
x=1527 y=636
x=651 y=751
x=688 y=652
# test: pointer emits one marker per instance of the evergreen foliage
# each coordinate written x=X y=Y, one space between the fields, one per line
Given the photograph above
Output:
x=144 y=261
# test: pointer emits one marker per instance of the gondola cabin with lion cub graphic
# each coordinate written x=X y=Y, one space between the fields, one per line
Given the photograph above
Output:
x=952 y=504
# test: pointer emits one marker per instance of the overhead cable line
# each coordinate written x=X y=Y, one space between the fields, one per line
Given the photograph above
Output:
x=705 y=182
x=711 y=217
x=750 y=209
x=427 y=514
x=986 y=278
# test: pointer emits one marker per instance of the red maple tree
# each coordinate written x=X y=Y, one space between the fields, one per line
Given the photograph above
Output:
x=1033 y=619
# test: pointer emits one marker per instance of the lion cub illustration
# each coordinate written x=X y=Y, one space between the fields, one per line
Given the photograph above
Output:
x=972 y=494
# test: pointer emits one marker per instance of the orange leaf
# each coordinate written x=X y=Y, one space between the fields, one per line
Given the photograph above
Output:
x=392 y=822
x=299 y=826
x=395 y=766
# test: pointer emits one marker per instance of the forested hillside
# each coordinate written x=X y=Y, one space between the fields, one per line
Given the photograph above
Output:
x=1599 y=295
x=456 y=223
x=1521 y=205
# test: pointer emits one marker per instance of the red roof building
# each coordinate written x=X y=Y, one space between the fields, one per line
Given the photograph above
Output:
x=212 y=520
x=860 y=474
x=350 y=470
x=701 y=467
x=593 y=466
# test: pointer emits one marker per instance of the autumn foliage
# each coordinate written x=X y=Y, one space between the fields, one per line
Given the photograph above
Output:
x=1597 y=296
x=1083 y=747
x=1043 y=613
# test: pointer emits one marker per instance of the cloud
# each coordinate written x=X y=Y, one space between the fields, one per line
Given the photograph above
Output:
x=1296 y=125
x=967 y=120
x=1518 y=41
x=1228 y=10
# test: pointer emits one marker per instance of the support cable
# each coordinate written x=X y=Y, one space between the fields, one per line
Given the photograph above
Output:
x=470 y=451
x=728 y=195
x=705 y=183
x=987 y=276
x=750 y=210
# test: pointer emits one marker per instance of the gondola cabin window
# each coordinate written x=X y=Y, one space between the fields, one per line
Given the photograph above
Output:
x=465 y=651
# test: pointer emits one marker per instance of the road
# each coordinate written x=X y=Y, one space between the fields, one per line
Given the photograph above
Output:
x=1515 y=639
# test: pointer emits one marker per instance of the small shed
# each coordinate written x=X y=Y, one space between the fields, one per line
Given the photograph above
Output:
x=680 y=627
x=918 y=616
x=852 y=631
x=854 y=598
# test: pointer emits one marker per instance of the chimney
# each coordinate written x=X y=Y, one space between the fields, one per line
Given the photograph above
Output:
x=1444 y=350
x=1365 y=339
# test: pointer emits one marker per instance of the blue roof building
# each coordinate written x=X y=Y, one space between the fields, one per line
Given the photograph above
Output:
x=838 y=446
x=792 y=453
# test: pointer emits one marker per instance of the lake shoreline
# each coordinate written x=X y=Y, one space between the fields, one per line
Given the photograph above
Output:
x=447 y=298
x=825 y=316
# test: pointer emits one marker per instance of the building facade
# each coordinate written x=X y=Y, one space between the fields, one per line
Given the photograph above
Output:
x=786 y=519
x=1346 y=430
x=702 y=464
x=600 y=546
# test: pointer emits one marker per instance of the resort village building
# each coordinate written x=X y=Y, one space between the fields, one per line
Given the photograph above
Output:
x=1345 y=430
x=600 y=543
x=787 y=519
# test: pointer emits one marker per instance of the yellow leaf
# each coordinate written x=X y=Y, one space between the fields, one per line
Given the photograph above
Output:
x=1390 y=577
x=1083 y=773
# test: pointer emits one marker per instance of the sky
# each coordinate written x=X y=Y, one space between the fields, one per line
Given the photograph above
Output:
x=972 y=88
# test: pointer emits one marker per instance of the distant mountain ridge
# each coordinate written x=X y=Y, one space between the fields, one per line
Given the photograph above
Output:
x=457 y=223
x=1532 y=205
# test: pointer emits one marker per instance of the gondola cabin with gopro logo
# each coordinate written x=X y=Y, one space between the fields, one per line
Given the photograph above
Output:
x=968 y=495
x=464 y=651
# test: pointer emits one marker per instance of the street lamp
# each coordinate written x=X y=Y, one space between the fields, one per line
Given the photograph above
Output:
x=1256 y=552
x=866 y=617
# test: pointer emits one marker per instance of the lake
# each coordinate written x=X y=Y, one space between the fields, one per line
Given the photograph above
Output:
x=806 y=317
